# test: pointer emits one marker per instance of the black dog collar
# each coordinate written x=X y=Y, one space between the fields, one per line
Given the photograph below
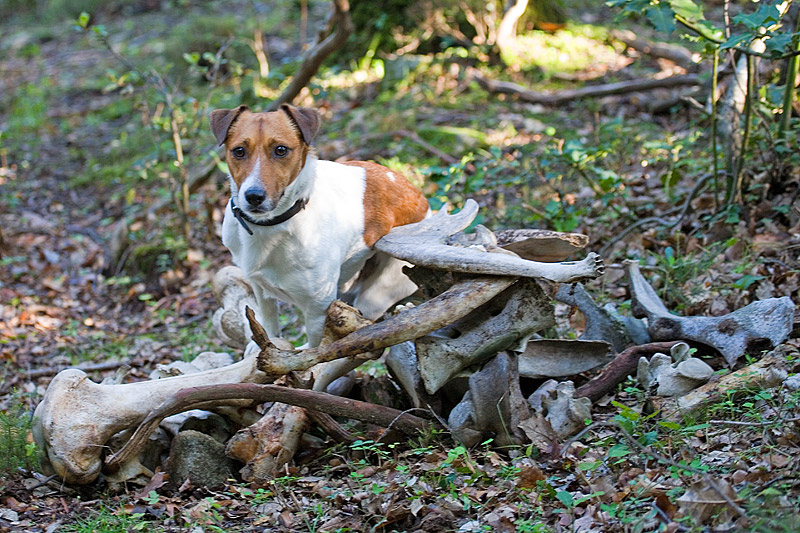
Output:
x=241 y=216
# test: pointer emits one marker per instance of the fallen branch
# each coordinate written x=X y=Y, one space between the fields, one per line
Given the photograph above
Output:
x=767 y=372
x=194 y=397
x=86 y=367
x=677 y=54
x=410 y=324
x=594 y=91
x=337 y=31
x=617 y=371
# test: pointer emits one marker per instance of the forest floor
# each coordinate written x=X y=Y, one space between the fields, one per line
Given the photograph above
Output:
x=83 y=153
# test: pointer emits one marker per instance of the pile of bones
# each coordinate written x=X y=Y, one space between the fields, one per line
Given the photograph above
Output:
x=458 y=358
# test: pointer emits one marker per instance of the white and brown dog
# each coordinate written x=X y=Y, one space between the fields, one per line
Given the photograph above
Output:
x=302 y=229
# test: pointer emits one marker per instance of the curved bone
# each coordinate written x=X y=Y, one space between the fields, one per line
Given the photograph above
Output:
x=409 y=324
x=77 y=416
x=233 y=293
x=424 y=243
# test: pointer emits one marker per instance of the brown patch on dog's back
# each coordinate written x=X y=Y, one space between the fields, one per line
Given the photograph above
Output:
x=389 y=201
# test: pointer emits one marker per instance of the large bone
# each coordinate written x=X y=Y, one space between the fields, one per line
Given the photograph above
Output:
x=507 y=322
x=77 y=416
x=425 y=243
x=759 y=326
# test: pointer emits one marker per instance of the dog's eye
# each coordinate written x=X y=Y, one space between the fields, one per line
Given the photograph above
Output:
x=280 y=151
x=238 y=152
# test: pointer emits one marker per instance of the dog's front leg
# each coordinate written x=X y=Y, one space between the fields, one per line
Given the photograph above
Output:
x=267 y=314
x=315 y=315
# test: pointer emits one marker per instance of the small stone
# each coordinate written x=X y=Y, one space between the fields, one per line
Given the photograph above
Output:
x=199 y=458
x=792 y=382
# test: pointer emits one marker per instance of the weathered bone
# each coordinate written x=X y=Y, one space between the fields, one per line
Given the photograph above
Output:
x=541 y=244
x=76 y=417
x=758 y=326
x=674 y=374
x=602 y=323
x=341 y=320
x=269 y=444
x=556 y=358
x=409 y=324
x=494 y=404
x=507 y=322
x=424 y=243
x=565 y=413
x=233 y=293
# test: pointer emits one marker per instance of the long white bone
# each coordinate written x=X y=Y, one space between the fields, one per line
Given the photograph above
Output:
x=77 y=416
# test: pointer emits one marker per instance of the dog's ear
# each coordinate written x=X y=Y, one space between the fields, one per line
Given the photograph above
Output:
x=221 y=120
x=305 y=118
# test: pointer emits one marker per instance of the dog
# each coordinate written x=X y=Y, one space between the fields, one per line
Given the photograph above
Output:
x=302 y=229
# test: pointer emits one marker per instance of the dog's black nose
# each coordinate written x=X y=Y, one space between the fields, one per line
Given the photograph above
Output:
x=255 y=196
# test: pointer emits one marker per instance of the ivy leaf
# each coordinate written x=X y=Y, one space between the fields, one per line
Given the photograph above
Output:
x=661 y=17
x=687 y=9
x=778 y=42
x=735 y=40
x=767 y=15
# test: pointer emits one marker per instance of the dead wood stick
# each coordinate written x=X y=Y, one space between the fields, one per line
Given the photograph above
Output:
x=677 y=54
x=619 y=369
x=339 y=28
x=767 y=372
x=594 y=91
x=93 y=367
x=330 y=426
x=454 y=303
x=190 y=398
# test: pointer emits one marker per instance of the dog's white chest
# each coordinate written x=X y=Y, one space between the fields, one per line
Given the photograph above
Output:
x=307 y=256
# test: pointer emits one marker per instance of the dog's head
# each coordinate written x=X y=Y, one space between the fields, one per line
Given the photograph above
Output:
x=265 y=152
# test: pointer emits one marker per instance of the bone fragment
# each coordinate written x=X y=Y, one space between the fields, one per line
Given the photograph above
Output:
x=409 y=324
x=761 y=325
x=565 y=412
x=233 y=293
x=766 y=373
x=555 y=358
x=602 y=324
x=402 y=363
x=506 y=322
x=540 y=244
x=494 y=404
x=76 y=417
x=424 y=243
x=673 y=375
x=269 y=444
x=341 y=320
